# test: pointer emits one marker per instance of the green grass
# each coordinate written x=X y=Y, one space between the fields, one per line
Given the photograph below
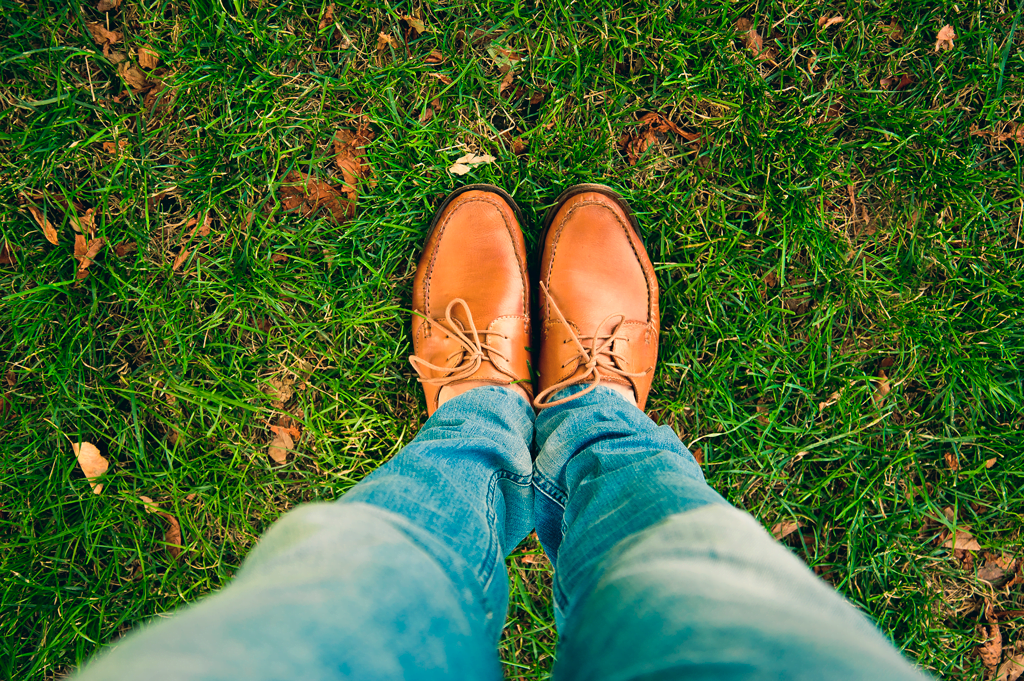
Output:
x=774 y=294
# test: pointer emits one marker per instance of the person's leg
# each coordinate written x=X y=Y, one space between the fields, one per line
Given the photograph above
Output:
x=404 y=576
x=656 y=576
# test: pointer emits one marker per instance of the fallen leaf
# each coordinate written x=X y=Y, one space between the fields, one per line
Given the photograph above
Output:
x=279 y=257
x=148 y=58
x=91 y=462
x=894 y=31
x=634 y=144
x=435 y=57
x=135 y=78
x=518 y=146
x=534 y=559
x=84 y=224
x=991 y=573
x=826 y=21
x=441 y=77
x=102 y=36
x=953 y=461
x=832 y=399
x=989 y=463
x=158 y=99
x=308 y=195
x=1012 y=669
x=944 y=40
x=49 y=231
x=964 y=542
x=350 y=157
x=385 y=40
x=752 y=38
x=280 y=445
x=464 y=164
x=762 y=409
x=280 y=390
x=783 y=529
x=328 y=17
x=180 y=259
x=415 y=23
x=698 y=456
x=107 y=5
x=882 y=388
x=5 y=254
x=172 y=537
x=990 y=650
x=85 y=259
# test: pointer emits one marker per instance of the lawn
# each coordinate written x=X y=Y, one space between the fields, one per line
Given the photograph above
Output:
x=834 y=208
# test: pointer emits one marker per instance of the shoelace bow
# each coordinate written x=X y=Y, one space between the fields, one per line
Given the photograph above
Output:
x=474 y=351
x=600 y=358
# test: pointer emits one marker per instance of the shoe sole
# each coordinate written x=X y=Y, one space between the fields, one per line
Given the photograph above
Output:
x=475 y=187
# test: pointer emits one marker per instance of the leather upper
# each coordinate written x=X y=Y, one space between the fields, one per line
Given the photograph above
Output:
x=475 y=254
x=599 y=278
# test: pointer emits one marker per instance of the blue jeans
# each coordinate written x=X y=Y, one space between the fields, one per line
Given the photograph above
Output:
x=656 y=576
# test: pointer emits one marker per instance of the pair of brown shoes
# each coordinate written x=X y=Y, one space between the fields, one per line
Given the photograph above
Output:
x=598 y=298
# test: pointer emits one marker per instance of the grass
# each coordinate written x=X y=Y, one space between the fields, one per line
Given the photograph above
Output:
x=781 y=293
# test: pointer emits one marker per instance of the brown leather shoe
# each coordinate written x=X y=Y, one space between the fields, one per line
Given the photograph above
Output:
x=599 y=298
x=471 y=296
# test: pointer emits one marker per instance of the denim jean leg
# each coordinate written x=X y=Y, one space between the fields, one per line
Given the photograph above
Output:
x=656 y=577
x=402 y=578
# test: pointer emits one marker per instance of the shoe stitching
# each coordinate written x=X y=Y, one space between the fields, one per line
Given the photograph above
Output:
x=439 y=232
x=628 y=229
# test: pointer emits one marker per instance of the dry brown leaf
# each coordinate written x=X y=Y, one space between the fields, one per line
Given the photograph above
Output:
x=148 y=58
x=308 y=195
x=135 y=78
x=752 y=38
x=441 y=77
x=328 y=17
x=518 y=146
x=882 y=388
x=534 y=559
x=1012 y=669
x=84 y=224
x=894 y=31
x=350 y=157
x=991 y=573
x=991 y=462
x=435 y=57
x=5 y=254
x=172 y=537
x=107 y=5
x=179 y=260
x=113 y=149
x=990 y=650
x=832 y=399
x=124 y=248
x=464 y=164
x=826 y=21
x=49 y=231
x=280 y=445
x=102 y=36
x=91 y=462
x=944 y=40
x=953 y=461
x=385 y=40
x=964 y=542
x=415 y=23
x=783 y=529
x=87 y=256
x=634 y=144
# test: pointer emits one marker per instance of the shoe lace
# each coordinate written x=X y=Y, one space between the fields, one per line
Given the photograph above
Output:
x=474 y=351
x=598 y=359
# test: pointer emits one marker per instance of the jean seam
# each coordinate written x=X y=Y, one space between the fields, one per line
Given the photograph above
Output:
x=550 y=489
x=491 y=557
